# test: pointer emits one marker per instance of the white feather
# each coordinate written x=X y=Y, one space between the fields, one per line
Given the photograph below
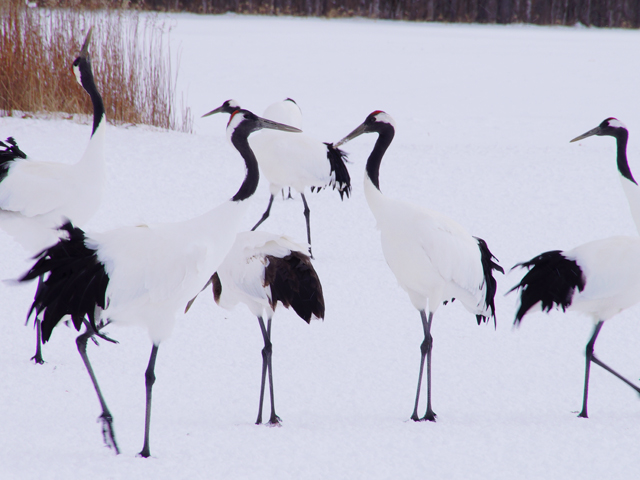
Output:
x=611 y=267
x=36 y=197
x=433 y=258
x=155 y=270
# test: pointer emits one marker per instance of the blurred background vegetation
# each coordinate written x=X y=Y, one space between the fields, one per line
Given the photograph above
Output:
x=599 y=13
x=130 y=56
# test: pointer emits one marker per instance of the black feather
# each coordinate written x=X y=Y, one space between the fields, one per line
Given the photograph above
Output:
x=337 y=160
x=9 y=152
x=295 y=283
x=76 y=282
x=551 y=280
x=488 y=265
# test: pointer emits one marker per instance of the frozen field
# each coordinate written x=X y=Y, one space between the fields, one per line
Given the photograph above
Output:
x=484 y=117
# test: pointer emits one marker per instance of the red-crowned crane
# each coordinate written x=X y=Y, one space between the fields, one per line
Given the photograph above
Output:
x=599 y=279
x=433 y=258
x=142 y=275
x=297 y=161
x=260 y=270
x=37 y=197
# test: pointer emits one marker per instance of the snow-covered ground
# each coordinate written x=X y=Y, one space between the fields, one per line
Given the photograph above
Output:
x=484 y=116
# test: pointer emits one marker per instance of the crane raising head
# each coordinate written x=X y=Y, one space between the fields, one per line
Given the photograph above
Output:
x=611 y=126
x=228 y=106
x=82 y=64
x=377 y=121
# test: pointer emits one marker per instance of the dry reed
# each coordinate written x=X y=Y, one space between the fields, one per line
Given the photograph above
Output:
x=130 y=57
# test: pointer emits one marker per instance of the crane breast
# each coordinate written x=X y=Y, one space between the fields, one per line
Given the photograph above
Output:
x=611 y=268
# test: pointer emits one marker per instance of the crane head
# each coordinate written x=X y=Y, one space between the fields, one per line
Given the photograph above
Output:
x=229 y=106
x=375 y=122
x=610 y=126
x=82 y=63
x=247 y=122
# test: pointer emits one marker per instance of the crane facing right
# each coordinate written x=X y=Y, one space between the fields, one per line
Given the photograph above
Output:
x=600 y=278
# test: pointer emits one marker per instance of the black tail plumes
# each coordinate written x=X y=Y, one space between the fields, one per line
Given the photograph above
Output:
x=10 y=151
x=488 y=265
x=342 y=180
x=552 y=280
x=76 y=283
x=295 y=283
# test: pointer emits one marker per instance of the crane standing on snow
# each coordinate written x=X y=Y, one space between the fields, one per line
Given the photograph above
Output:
x=260 y=270
x=142 y=275
x=434 y=259
x=599 y=278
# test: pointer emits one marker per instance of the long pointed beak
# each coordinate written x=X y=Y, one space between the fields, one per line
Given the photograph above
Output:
x=595 y=131
x=84 y=51
x=265 y=123
x=214 y=111
x=356 y=133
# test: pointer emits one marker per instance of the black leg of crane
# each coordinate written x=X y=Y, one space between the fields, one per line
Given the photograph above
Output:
x=37 y=358
x=265 y=215
x=150 y=379
x=307 y=213
x=274 y=420
x=288 y=197
x=265 y=336
x=592 y=358
x=587 y=369
x=106 y=418
x=425 y=351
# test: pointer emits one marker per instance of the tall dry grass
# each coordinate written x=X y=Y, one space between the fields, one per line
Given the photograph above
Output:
x=130 y=56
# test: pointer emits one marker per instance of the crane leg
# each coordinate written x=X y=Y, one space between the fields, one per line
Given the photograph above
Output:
x=307 y=214
x=108 y=433
x=425 y=351
x=150 y=379
x=587 y=368
x=264 y=370
x=265 y=215
x=274 y=420
x=37 y=358
x=592 y=358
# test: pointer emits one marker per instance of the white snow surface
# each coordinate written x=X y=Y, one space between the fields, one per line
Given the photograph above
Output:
x=484 y=117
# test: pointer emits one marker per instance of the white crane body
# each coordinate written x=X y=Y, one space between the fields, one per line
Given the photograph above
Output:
x=242 y=274
x=598 y=279
x=433 y=258
x=141 y=275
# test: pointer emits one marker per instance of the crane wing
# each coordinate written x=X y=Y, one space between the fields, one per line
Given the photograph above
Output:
x=37 y=188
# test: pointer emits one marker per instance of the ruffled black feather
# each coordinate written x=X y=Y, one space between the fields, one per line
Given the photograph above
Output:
x=337 y=159
x=551 y=280
x=9 y=152
x=295 y=283
x=488 y=266
x=75 y=284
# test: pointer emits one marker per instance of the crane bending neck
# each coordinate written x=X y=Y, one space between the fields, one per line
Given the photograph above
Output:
x=385 y=136
x=252 y=177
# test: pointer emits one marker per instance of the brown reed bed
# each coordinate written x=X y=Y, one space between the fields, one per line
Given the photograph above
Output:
x=130 y=56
